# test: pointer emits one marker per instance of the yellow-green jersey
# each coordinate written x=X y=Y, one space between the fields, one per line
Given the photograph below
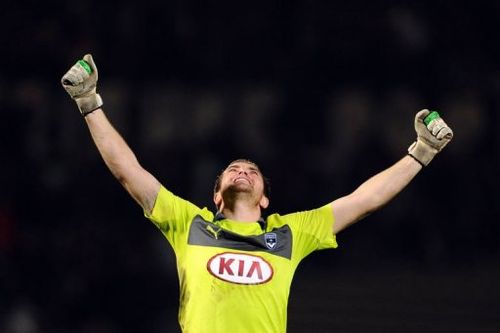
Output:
x=235 y=277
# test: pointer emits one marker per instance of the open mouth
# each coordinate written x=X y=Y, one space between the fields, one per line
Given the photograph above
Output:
x=241 y=180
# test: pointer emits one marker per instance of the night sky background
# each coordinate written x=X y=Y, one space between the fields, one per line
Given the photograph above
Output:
x=321 y=94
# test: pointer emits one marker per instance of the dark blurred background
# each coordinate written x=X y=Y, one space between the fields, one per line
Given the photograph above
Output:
x=321 y=94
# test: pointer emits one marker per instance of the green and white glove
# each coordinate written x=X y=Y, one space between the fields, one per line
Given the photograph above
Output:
x=431 y=139
x=80 y=83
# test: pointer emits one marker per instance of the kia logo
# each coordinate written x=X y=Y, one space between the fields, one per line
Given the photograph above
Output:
x=240 y=268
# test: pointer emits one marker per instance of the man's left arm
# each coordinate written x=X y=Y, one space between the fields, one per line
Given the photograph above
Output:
x=381 y=188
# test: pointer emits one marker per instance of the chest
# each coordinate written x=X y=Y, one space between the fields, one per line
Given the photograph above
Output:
x=213 y=252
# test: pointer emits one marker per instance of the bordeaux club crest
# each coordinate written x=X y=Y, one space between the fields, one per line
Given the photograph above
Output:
x=271 y=240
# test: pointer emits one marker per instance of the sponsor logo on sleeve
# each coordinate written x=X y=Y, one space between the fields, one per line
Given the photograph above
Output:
x=240 y=268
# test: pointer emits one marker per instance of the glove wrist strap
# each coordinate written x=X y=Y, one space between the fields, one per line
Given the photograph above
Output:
x=422 y=152
x=88 y=104
x=422 y=164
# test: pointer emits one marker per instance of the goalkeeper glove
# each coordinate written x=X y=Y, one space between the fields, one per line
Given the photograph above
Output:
x=80 y=83
x=431 y=139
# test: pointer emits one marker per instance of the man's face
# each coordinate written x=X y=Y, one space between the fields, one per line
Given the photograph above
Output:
x=244 y=177
x=241 y=179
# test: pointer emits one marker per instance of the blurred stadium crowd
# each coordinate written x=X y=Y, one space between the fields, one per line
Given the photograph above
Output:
x=322 y=95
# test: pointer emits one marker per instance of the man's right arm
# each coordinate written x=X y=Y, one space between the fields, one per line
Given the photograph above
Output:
x=121 y=161
x=80 y=82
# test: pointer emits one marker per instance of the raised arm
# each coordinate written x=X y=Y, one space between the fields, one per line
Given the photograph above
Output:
x=80 y=82
x=381 y=188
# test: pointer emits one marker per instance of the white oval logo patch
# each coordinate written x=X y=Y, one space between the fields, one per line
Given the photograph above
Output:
x=240 y=268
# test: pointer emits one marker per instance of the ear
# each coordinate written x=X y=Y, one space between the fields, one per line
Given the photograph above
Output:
x=218 y=200
x=264 y=202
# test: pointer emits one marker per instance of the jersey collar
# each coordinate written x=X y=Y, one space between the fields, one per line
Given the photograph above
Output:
x=261 y=221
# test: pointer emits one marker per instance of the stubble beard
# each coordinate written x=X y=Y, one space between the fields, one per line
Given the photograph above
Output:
x=235 y=192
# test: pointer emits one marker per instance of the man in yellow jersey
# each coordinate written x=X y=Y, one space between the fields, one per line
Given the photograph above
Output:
x=235 y=268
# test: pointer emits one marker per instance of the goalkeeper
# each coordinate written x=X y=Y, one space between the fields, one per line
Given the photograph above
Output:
x=235 y=267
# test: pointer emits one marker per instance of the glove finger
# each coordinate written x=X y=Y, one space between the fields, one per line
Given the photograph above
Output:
x=81 y=74
x=432 y=125
x=419 y=125
x=88 y=58
x=75 y=77
x=67 y=80
x=436 y=128
x=436 y=125
x=437 y=133
x=445 y=132
x=71 y=78
x=421 y=115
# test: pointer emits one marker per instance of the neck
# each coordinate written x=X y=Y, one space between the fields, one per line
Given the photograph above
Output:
x=241 y=212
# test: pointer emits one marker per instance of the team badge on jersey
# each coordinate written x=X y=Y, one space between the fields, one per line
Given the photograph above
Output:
x=271 y=240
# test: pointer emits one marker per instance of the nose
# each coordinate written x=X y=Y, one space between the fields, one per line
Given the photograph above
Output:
x=243 y=171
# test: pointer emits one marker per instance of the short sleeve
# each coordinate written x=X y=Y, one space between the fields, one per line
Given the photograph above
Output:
x=312 y=230
x=173 y=215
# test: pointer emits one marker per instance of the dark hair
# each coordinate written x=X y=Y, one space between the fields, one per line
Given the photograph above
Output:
x=267 y=184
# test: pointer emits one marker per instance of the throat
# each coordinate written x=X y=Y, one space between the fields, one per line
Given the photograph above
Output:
x=242 y=214
x=240 y=206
